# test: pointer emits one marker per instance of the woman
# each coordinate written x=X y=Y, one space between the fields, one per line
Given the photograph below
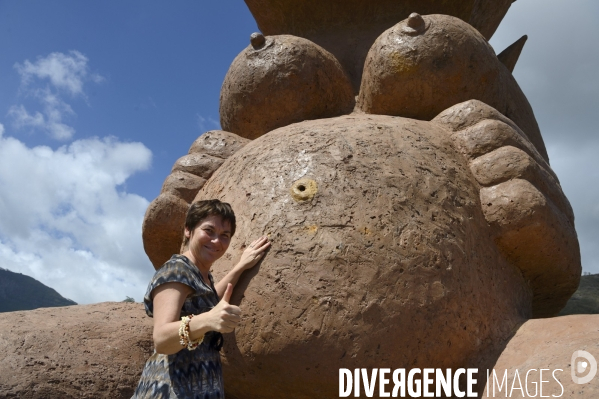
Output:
x=189 y=314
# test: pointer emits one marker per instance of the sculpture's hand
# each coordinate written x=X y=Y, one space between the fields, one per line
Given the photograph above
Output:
x=522 y=201
x=165 y=216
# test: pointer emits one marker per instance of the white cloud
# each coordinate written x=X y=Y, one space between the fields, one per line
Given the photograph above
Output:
x=51 y=120
x=66 y=72
x=66 y=222
x=46 y=80
x=23 y=118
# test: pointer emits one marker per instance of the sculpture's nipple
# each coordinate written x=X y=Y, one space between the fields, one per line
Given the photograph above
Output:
x=415 y=21
x=257 y=40
x=414 y=25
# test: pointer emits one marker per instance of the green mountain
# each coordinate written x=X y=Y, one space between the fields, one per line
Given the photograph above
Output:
x=21 y=292
x=586 y=299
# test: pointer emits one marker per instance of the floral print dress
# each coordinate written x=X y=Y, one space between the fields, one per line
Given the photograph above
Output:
x=195 y=374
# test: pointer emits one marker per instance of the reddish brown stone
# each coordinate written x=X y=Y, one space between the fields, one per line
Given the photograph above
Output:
x=218 y=143
x=198 y=164
x=90 y=351
x=289 y=79
x=347 y=28
x=165 y=217
x=531 y=218
x=183 y=185
x=506 y=163
x=388 y=261
x=537 y=237
x=396 y=242
x=162 y=229
x=418 y=74
x=549 y=344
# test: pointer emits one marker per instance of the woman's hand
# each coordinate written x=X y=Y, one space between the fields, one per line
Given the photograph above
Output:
x=224 y=317
x=254 y=253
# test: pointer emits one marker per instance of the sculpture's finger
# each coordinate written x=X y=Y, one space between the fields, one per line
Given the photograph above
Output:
x=467 y=114
x=521 y=199
x=199 y=164
x=490 y=134
x=509 y=162
x=537 y=237
x=183 y=185
x=206 y=154
x=478 y=128
x=163 y=223
x=218 y=143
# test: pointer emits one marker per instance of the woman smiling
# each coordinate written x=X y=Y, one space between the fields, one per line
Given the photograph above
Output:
x=190 y=312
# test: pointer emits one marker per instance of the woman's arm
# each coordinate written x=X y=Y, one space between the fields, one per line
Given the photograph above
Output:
x=249 y=259
x=168 y=301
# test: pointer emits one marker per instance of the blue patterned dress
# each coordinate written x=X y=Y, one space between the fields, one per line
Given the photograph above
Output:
x=195 y=374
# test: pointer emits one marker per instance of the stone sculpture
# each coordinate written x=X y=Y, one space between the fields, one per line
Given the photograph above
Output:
x=403 y=180
x=82 y=351
x=418 y=230
x=528 y=352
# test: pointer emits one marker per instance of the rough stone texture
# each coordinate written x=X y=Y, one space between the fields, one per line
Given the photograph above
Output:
x=218 y=143
x=198 y=164
x=162 y=228
x=509 y=162
x=536 y=236
x=347 y=28
x=183 y=185
x=549 y=344
x=289 y=79
x=522 y=200
x=84 y=351
x=396 y=242
x=419 y=73
x=388 y=261
x=480 y=128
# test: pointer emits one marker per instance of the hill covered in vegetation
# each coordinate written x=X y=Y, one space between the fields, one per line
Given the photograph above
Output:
x=21 y=292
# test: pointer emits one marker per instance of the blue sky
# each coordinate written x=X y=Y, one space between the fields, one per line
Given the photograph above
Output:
x=99 y=98
x=163 y=64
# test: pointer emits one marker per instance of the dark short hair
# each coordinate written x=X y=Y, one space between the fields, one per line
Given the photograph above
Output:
x=198 y=211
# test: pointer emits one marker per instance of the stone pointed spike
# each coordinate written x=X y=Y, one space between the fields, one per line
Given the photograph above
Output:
x=509 y=56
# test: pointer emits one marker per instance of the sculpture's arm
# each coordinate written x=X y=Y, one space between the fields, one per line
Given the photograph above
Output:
x=522 y=200
x=162 y=229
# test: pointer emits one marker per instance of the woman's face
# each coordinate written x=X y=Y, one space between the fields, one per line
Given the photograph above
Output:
x=209 y=240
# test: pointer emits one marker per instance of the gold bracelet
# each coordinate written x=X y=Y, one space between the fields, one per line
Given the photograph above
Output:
x=185 y=340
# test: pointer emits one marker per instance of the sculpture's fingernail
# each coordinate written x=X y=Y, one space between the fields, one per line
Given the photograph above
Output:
x=415 y=21
x=257 y=40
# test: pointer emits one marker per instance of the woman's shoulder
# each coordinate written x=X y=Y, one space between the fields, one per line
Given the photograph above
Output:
x=177 y=269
